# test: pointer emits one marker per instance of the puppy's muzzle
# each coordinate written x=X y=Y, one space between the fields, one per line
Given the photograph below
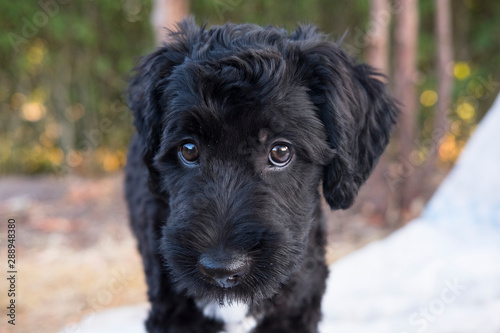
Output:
x=224 y=270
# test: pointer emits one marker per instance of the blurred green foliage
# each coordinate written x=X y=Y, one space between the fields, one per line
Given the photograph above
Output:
x=64 y=66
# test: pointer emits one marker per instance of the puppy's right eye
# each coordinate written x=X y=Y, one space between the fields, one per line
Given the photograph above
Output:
x=280 y=155
x=189 y=153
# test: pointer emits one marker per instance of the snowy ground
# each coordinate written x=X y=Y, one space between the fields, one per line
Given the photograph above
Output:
x=440 y=273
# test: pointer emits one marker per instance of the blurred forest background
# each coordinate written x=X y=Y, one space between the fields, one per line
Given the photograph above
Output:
x=65 y=126
x=64 y=66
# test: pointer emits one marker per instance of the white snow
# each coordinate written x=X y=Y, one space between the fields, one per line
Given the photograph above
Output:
x=127 y=319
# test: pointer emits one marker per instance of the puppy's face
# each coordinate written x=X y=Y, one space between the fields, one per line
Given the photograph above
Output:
x=239 y=125
x=242 y=156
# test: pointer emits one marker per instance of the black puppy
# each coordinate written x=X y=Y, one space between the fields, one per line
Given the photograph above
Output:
x=237 y=127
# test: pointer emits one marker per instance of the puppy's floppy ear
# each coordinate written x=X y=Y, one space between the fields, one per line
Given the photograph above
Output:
x=147 y=87
x=144 y=91
x=357 y=111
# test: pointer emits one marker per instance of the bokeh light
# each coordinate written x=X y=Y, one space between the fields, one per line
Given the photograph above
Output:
x=428 y=98
x=33 y=111
x=75 y=112
x=35 y=53
x=466 y=111
x=448 y=151
x=461 y=70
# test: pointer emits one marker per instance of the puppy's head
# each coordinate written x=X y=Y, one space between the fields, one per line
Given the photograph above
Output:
x=240 y=124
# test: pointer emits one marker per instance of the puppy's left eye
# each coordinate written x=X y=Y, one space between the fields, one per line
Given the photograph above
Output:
x=280 y=155
x=189 y=153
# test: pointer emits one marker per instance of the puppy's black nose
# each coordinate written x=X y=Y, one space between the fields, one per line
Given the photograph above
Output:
x=223 y=270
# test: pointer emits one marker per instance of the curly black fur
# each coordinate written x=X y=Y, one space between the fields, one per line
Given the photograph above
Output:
x=236 y=90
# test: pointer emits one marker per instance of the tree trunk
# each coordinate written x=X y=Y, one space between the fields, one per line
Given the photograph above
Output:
x=377 y=51
x=165 y=14
x=406 y=38
x=444 y=58
x=377 y=55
